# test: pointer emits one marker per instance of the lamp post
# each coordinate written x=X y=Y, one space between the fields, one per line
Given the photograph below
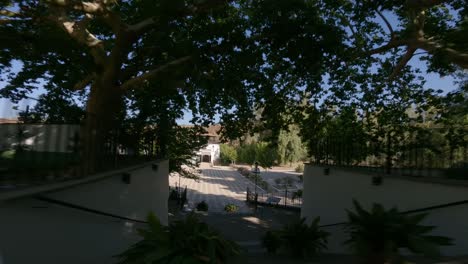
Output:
x=256 y=172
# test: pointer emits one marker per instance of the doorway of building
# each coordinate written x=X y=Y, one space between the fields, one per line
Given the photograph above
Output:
x=206 y=158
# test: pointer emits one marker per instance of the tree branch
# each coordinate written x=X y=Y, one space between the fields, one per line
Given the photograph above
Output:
x=83 y=83
x=390 y=45
x=456 y=57
x=8 y=13
x=87 y=7
x=153 y=73
x=402 y=63
x=390 y=28
x=78 y=31
x=423 y=4
x=142 y=26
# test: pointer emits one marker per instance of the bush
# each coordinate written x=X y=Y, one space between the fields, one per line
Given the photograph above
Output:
x=247 y=153
x=299 y=168
x=271 y=241
x=297 y=194
x=228 y=154
x=183 y=241
x=231 y=208
x=378 y=234
x=266 y=155
x=297 y=239
x=202 y=206
x=244 y=171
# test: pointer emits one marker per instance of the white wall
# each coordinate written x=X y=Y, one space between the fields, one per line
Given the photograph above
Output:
x=32 y=231
x=328 y=196
x=215 y=151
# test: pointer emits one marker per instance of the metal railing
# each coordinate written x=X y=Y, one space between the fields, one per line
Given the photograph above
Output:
x=409 y=153
x=287 y=199
x=418 y=210
x=34 y=154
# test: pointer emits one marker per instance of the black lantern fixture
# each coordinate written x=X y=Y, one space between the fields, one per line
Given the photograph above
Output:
x=256 y=171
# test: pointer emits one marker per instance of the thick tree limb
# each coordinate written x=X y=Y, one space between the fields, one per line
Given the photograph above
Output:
x=8 y=13
x=207 y=5
x=423 y=4
x=390 y=28
x=390 y=45
x=142 y=26
x=402 y=63
x=153 y=73
x=78 y=31
x=83 y=83
x=87 y=7
x=456 y=57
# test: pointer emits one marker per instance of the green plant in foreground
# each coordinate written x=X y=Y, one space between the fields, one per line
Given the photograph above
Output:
x=202 y=206
x=378 y=234
x=298 y=239
x=183 y=241
x=230 y=208
x=271 y=241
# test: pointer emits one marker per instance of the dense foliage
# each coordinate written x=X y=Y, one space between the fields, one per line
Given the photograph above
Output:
x=183 y=241
x=378 y=235
x=298 y=239
x=231 y=208
x=300 y=61
x=202 y=206
x=228 y=154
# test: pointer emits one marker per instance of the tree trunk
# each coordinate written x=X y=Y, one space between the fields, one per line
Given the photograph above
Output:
x=102 y=109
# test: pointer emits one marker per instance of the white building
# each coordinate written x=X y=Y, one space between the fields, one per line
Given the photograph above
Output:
x=211 y=152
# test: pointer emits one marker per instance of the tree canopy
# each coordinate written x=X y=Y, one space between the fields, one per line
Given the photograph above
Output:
x=292 y=59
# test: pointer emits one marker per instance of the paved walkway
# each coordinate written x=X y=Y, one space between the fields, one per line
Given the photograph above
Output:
x=217 y=186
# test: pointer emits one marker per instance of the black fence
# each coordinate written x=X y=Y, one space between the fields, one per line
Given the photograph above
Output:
x=178 y=195
x=414 y=152
x=33 y=154
x=284 y=199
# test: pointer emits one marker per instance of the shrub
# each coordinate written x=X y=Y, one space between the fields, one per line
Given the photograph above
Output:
x=202 y=206
x=302 y=240
x=243 y=171
x=297 y=239
x=297 y=194
x=378 y=234
x=299 y=168
x=271 y=241
x=183 y=241
x=231 y=208
x=228 y=154
x=247 y=153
